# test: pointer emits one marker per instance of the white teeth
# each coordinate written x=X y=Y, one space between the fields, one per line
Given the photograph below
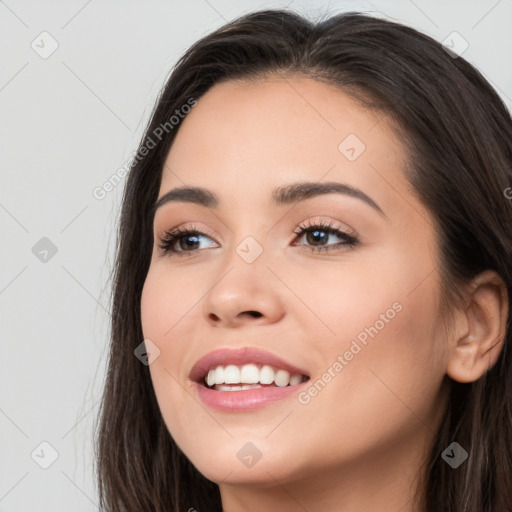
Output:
x=220 y=387
x=249 y=376
x=282 y=378
x=210 y=379
x=267 y=375
x=295 y=379
x=219 y=375
x=232 y=374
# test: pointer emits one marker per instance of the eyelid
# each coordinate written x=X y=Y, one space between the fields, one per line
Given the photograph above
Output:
x=172 y=236
x=327 y=224
x=191 y=225
x=311 y=222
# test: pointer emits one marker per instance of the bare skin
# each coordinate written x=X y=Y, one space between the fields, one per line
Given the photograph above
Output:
x=358 y=444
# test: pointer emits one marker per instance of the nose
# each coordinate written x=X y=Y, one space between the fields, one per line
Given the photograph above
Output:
x=244 y=293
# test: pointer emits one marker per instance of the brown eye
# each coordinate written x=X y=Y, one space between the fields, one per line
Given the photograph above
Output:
x=320 y=233
x=181 y=241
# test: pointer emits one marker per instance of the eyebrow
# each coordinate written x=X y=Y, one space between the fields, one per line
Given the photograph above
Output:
x=283 y=195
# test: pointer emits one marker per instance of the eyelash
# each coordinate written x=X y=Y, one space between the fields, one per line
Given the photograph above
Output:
x=171 y=237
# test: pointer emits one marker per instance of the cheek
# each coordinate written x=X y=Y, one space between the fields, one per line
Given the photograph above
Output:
x=166 y=303
x=391 y=366
x=164 y=316
x=387 y=391
x=353 y=300
x=168 y=316
x=383 y=320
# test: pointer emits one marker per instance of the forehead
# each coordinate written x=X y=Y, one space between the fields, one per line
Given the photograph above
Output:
x=259 y=135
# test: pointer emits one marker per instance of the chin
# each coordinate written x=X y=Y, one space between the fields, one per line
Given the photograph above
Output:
x=235 y=465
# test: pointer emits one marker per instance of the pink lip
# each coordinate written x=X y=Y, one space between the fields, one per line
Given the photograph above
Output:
x=239 y=356
x=248 y=399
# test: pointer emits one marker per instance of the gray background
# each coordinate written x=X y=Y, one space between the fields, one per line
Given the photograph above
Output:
x=68 y=122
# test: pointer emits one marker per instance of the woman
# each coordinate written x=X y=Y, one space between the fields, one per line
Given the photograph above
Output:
x=313 y=273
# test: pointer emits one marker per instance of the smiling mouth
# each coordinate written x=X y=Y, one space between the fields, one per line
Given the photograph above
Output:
x=249 y=376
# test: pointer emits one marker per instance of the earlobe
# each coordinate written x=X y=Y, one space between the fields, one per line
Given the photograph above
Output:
x=478 y=349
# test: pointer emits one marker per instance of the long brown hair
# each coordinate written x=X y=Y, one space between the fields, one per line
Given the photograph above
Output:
x=458 y=136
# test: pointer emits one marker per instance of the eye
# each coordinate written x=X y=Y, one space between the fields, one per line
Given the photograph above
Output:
x=185 y=242
x=319 y=233
x=186 y=239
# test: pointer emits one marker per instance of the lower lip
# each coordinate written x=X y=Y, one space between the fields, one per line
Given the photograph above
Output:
x=245 y=400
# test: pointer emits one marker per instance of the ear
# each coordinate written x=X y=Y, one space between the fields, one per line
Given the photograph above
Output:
x=481 y=328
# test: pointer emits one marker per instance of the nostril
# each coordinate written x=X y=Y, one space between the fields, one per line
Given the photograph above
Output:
x=254 y=314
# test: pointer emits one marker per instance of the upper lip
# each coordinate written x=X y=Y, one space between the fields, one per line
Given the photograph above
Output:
x=240 y=356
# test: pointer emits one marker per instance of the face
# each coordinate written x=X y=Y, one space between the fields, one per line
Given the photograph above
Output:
x=340 y=288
